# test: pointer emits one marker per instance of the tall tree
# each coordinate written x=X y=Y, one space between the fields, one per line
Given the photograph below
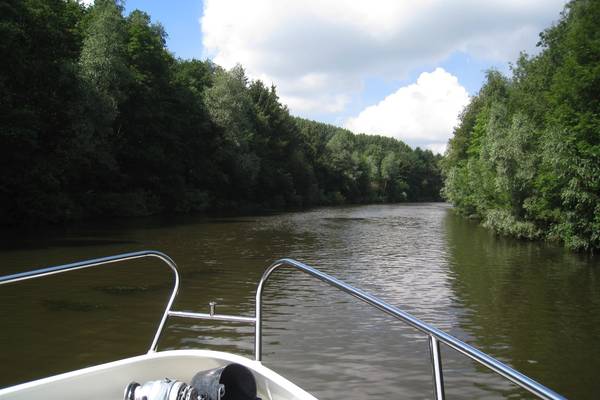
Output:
x=534 y=138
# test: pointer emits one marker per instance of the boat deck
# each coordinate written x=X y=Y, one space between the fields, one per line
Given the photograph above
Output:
x=107 y=381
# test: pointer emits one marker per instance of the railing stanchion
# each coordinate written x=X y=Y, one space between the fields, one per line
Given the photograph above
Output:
x=258 y=334
x=436 y=363
x=258 y=311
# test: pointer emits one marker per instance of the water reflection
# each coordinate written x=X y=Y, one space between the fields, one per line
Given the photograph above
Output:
x=531 y=305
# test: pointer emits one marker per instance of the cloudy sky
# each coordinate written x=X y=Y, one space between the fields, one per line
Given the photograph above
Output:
x=391 y=67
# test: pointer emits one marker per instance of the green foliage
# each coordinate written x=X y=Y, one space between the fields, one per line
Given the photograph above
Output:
x=526 y=154
x=103 y=56
x=99 y=119
x=505 y=223
x=43 y=129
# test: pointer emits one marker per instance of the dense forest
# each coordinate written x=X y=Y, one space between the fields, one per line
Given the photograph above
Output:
x=525 y=157
x=99 y=119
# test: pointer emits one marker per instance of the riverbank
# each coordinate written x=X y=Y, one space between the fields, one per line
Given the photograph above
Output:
x=525 y=154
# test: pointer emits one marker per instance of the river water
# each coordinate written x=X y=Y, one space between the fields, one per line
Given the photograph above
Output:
x=532 y=305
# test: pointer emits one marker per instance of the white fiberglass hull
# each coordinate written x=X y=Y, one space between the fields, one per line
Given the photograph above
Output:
x=108 y=381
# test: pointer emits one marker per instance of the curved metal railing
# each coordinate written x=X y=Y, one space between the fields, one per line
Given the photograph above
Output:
x=435 y=335
x=38 y=273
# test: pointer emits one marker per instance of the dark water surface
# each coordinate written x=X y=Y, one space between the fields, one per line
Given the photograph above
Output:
x=532 y=305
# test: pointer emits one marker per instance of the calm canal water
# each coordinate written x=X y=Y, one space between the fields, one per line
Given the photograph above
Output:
x=532 y=305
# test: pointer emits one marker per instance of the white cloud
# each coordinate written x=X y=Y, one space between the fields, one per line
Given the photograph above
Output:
x=319 y=52
x=437 y=148
x=422 y=113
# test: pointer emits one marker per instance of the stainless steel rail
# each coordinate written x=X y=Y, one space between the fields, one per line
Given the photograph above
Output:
x=38 y=273
x=435 y=335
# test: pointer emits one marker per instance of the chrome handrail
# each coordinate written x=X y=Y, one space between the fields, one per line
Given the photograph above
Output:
x=38 y=273
x=435 y=335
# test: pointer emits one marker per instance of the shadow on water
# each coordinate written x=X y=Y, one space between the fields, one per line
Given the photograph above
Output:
x=93 y=233
x=35 y=242
x=230 y=221
x=72 y=305
x=344 y=219
x=125 y=290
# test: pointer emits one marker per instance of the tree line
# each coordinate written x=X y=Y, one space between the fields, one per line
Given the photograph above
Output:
x=525 y=157
x=99 y=119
